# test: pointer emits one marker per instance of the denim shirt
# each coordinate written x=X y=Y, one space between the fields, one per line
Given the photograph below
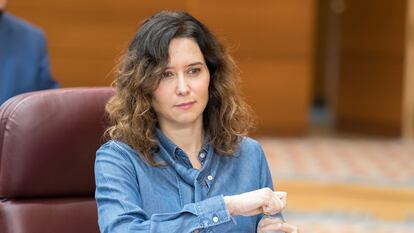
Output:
x=133 y=196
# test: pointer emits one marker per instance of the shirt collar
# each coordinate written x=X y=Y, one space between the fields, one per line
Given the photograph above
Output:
x=165 y=142
x=172 y=148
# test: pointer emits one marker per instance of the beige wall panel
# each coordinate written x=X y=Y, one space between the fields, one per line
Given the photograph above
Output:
x=278 y=90
x=261 y=27
x=369 y=97
x=408 y=103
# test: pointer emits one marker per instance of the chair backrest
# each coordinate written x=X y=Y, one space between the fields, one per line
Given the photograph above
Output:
x=48 y=141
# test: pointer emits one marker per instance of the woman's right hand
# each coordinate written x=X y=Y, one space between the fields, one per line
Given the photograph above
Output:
x=255 y=202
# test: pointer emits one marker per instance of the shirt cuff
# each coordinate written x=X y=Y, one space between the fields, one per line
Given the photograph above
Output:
x=213 y=212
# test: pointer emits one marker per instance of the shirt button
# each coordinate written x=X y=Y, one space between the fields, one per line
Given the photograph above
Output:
x=215 y=219
x=210 y=178
x=202 y=155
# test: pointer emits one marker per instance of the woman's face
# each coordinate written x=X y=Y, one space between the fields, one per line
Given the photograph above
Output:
x=182 y=93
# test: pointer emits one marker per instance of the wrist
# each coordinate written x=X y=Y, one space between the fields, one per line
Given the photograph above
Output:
x=229 y=206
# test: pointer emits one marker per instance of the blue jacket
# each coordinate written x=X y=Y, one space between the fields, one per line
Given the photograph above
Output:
x=135 y=197
x=24 y=63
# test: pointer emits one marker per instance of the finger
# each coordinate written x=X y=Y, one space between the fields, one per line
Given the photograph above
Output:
x=271 y=227
x=253 y=212
x=289 y=228
x=280 y=194
x=273 y=206
x=268 y=206
x=284 y=202
x=285 y=227
x=278 y=204
x=265 y=221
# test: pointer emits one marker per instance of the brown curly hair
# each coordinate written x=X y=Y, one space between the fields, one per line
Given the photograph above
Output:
x=133 y=121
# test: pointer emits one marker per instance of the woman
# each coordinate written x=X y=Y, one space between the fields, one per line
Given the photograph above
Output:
x=178 y=159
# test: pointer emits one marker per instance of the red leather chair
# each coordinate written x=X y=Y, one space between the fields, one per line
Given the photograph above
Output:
x=48 y=141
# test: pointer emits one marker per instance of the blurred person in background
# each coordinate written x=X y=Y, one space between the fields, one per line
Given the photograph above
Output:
x=24 y=63
x=178 y=158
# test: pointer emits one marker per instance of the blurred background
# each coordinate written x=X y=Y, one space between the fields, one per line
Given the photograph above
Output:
x=331 y=83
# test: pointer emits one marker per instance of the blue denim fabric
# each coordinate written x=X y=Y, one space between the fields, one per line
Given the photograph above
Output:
x=133 y=196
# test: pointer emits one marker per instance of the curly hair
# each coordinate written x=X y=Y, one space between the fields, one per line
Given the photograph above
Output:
x=133 y=121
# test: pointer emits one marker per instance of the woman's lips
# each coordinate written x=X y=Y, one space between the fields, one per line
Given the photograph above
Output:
x=185 y=105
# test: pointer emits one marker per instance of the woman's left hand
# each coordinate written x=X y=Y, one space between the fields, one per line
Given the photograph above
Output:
x=270 y=225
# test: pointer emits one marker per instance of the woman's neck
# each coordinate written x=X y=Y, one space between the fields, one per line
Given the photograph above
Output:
x=189 y=138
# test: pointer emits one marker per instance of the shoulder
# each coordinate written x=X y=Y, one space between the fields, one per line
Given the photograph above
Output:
x=248 y=143
x=116 y=145
x=115 y=149
x=114 y=159
x=250 y=148
x=20 y=26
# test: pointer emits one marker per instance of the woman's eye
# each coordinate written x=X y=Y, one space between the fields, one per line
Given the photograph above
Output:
x=167 y=74
x=194 y=71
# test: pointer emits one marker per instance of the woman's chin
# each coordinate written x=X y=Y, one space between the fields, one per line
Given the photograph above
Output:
x=188 y=120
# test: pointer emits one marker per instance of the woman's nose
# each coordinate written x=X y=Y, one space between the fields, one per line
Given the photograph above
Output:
x=182 y=86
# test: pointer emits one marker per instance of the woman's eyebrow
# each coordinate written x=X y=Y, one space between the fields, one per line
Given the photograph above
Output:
x=195 y=63
x=192 y=64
